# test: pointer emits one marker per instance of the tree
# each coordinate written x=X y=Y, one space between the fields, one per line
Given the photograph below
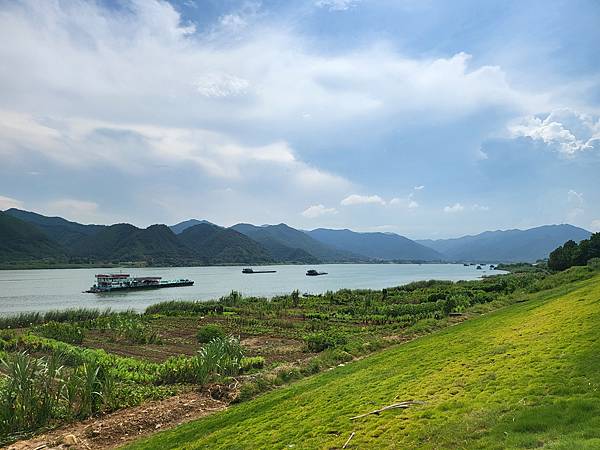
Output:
x=573 y=254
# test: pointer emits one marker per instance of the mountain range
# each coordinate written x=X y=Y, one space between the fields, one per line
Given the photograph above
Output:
x=509 y=245
x=28 y=237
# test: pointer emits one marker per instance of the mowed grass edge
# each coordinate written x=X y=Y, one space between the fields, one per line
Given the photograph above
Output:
x=522 y=377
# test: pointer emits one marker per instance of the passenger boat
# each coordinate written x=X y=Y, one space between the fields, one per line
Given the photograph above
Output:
x=314 y=273
x=122 y=281
x=249 y=270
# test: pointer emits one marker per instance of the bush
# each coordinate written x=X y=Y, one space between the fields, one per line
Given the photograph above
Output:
x=65 y=332
x=317 y=342
x=207 y=333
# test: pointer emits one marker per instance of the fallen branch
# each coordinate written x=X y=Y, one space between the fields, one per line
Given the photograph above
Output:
x=348 y=441
x=401 y=405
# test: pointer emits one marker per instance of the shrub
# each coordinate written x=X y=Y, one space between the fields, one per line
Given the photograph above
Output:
x=207 y=333
x=317 y=342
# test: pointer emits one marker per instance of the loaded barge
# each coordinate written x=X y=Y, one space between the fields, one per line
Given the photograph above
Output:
x=249 y=270
x=125 y=282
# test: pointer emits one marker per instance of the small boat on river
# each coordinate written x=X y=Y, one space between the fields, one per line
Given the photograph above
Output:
x=125 y=282
x=314 y=273
x=249 y=270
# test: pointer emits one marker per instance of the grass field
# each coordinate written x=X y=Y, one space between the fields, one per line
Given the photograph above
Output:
x=525 y=376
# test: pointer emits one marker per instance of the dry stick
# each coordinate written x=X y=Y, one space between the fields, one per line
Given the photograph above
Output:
x=348 y=441
x=401 y=405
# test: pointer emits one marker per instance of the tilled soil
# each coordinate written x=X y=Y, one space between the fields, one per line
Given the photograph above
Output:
x=115 y=429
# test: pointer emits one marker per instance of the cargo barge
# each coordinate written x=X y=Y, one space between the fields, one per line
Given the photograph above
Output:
x=314 y=273
x=249 y=270
x=125 y=282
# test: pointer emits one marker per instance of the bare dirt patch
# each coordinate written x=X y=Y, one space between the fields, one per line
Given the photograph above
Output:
x=115 y=429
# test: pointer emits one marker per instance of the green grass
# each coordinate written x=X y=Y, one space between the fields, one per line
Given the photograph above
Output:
x=525 y=376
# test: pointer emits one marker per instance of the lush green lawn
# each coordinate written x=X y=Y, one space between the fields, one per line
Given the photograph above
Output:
x=522 y=377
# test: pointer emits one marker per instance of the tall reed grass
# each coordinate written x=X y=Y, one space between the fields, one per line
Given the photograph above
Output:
x=220 y=357
x=37 y=391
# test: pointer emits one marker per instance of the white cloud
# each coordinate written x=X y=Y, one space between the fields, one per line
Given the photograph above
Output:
x=191 y=79
x=220 y=85
x=336 y=5
x=575 y=197
x=576 y=203
x=8 y=202
x=135 y=148
x=457 y=207
x=356 y=199
x=477 y=207
x=75 y=209
x=315 y=211
x=568 y=131
x=419 y=188
x=406 y=202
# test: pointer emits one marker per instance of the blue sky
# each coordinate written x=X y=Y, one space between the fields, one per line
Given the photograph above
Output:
x=425 y=118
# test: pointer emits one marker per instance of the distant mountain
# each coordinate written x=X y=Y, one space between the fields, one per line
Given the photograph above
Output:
x=56 y=228
x=181 y=226
x=21 y=242
x=290 y=245
x=156 y=244
x=216 y=245
x=383 y=246
x=508 y=246
x=27 y=236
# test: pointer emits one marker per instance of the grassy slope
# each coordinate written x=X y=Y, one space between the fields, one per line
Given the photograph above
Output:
x=524 y=376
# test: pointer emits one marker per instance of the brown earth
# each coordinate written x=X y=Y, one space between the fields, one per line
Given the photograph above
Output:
x=115 y=429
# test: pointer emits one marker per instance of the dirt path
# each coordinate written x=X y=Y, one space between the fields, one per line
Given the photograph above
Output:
x=115 y=429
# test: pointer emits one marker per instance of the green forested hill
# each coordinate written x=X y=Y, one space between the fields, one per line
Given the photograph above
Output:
x=20 y=241
x=217 y=245
x=60 y=230
x=27 y=237
x=156 y=244
x=525 y=376
x=288 y=244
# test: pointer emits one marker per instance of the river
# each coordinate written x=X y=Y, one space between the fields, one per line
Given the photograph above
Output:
x=51 y=289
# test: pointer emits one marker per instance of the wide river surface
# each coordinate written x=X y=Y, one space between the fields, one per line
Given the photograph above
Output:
x=51 y=289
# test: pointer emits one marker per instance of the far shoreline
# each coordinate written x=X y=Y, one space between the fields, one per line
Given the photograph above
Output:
x=140 y=265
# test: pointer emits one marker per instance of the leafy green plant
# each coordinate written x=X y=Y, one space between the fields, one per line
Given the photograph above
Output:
x=64 y=332
x=249 y=363
x=207 y=333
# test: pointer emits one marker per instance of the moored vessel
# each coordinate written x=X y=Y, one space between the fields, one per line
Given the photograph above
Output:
x=250 y=270
x=314 y=273
x=122 y=282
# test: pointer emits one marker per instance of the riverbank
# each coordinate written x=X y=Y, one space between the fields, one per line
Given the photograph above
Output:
x=154 y=355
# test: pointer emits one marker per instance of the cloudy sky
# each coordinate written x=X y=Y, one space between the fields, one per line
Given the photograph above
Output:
x=425 y=118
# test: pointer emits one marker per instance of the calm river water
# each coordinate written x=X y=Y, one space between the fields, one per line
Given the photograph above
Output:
x=50 y=289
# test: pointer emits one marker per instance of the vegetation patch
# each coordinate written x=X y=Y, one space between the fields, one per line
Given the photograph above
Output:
x=243 y=346
x=522 y=377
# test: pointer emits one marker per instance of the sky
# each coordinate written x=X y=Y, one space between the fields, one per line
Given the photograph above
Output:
x=426 y=118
